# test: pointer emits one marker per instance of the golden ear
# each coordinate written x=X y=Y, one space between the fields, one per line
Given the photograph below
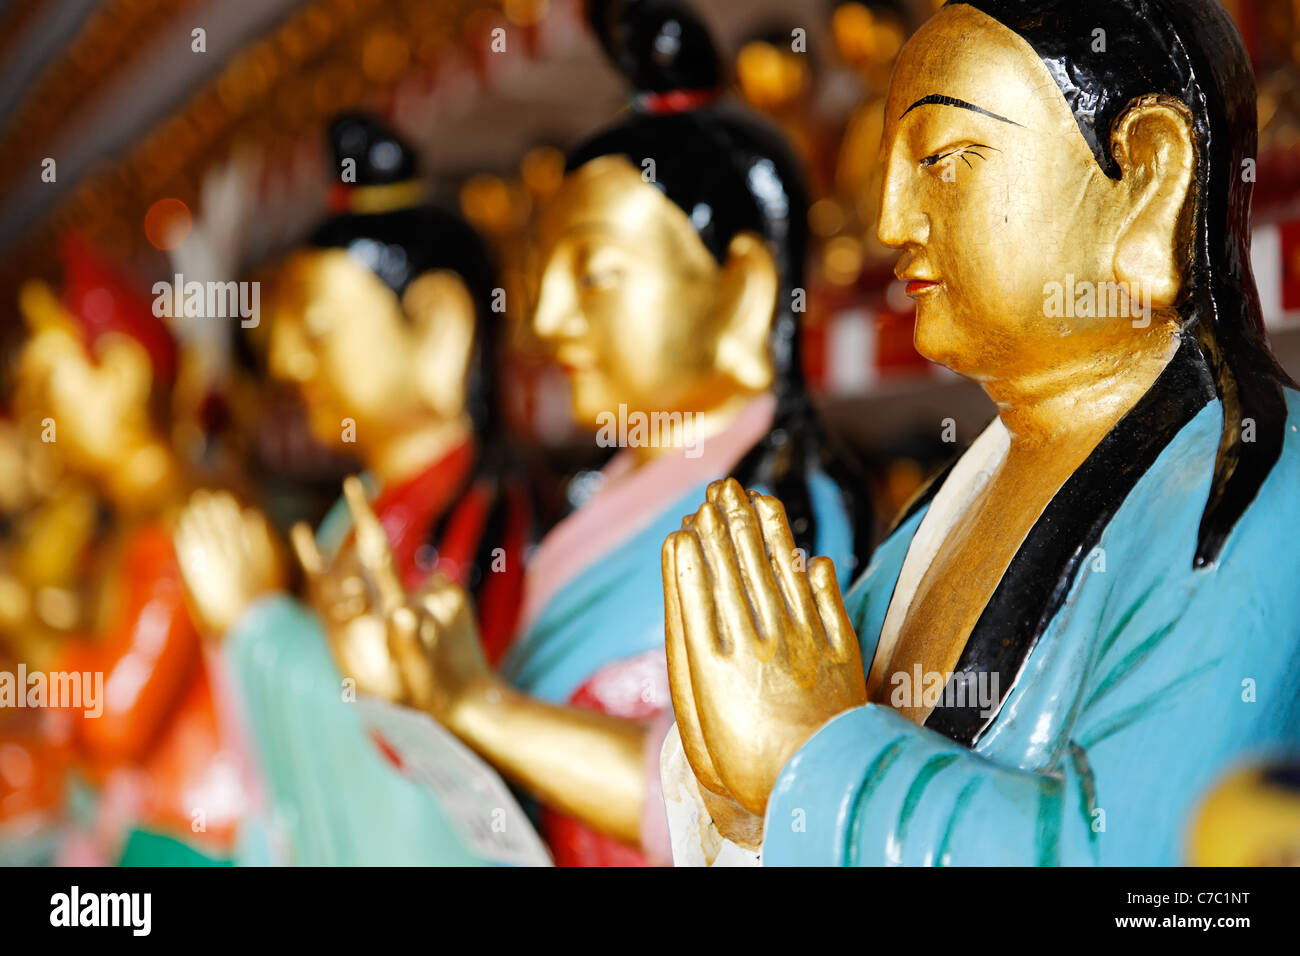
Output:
x=443 y=317
x=749 y=284
x=1156 y=151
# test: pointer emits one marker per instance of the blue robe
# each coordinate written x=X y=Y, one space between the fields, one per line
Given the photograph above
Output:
x=1149 y=679
x=614 y=610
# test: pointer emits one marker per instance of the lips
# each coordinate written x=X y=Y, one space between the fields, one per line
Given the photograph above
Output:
x=917 y=287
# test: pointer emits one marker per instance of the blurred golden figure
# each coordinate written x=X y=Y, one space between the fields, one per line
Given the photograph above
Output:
x=667 y=293
x=1249 y=818
x=382 y=321
x=93 y=378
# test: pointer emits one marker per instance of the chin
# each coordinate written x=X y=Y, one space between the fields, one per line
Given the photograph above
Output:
x=586 y=404
x=937 y=338
x=932 y=336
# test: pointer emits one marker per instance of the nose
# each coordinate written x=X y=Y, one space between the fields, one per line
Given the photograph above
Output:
x=556 y=315
x=902 y=220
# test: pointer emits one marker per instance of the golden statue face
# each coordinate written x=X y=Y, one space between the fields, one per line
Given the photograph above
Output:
x=635 y=308
x=992 y=195
x=356 y=352
x=93 y=411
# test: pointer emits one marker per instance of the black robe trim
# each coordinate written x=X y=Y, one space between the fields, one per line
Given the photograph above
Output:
x=1041 y=573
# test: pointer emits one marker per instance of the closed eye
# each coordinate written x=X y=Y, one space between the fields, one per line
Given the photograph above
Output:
x=960 y=152
x=603 y=278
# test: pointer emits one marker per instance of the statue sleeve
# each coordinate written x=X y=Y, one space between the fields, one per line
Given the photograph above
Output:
x=1155 y=679
x=333 y=795
x=872 y=788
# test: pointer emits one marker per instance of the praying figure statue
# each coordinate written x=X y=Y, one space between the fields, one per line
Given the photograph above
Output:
x=1090 y=616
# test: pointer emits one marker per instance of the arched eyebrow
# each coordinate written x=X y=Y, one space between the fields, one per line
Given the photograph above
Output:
x=938 y=99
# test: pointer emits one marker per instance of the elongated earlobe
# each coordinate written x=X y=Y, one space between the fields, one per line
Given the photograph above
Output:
x=442 y=313
x=1154 y=147
x=750 y=284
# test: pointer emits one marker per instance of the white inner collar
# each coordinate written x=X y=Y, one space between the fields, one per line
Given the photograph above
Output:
x=964 y=483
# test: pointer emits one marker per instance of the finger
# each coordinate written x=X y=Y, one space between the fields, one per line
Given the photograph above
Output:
x=307 y=553
x=231 y=514
x=805 y=640
x=263 y=547
x=703 y=630
x=303 y=543
x=724 y=569
x=713 y=494
x=445 y=602
x=215 y=524
x=830 y=607
x=406 y=645
x=228 y=518
x=679 y=676
x=782 y=554
x=205 y=536
x=747 y=539
x=442 y=597
x=373 y=552
x=716 y=674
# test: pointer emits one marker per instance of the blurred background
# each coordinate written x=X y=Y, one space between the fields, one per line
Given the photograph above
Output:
x=212 y=163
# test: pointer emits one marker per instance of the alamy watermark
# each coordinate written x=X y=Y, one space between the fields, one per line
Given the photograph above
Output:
x=1096 y=300
x=650 y=430
x=76 y=690
x=208 y=300
x=930 y=689
x=133 y=911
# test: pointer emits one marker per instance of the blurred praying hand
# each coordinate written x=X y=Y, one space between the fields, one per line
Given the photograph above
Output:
x=419 y=649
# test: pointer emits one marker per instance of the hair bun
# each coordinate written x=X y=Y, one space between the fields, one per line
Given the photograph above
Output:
x=659 y=45
x=380 y=155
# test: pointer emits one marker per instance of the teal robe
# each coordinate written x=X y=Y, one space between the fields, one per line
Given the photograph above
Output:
x=1149 y=680
x=329 y=797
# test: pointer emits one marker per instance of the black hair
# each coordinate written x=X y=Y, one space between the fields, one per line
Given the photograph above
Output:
x=1189 y=50
x=729 y=173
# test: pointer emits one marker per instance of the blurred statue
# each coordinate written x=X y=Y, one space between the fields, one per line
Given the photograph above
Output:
x=775 y=76
x=383 y=322
x=1092 y=613
x=92 y=379
x=1251 y=817
x=868 y=36
x=669 y=286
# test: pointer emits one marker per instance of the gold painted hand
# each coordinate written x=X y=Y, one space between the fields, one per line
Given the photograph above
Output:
x=760 y=652
x=421 y=649
x=228 y=557
x=424 y=650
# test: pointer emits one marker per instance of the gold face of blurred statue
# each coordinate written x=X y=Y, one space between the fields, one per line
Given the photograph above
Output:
x=992 y=194
x=636 y=309
x=395 y=368
x=92 y=411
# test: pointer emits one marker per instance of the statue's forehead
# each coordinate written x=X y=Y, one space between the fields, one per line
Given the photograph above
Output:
x=964 y=53
x=608 y=198
x=601 y=188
